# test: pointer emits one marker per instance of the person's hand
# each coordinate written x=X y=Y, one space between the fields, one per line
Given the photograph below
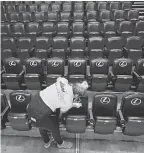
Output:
x=77 y=105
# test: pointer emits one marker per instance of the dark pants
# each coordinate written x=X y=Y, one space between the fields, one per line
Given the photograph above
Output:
x=45 y=119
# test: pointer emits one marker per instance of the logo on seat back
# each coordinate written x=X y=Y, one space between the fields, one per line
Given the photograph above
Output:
x=123 y=64
x=55 y=64
x=12 y=63
x=136 y=101
x=105 y=100
x=33 y=63
x=20 y=98
x=99 y=64
x=77 y=64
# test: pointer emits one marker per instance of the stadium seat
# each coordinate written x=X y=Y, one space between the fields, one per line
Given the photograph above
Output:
x=121 y=74
x=90 y=6
x=93 y=29
x=139 y=29
x=18 y=117
x=126 y=5
x=10 y=8
x=78 y=28
x=42 y=47
x=104 y=113
x=99 y=72
x=3 y=17
x=6 y=29
x=13 y=17
x=44 y=7
x=32 y=8
x=76 y=118
x=26 y=17
x=34 y=73
x=114 y=6
x=95 y=47
x=13 y=76
x=133 y=15
x=102 y=6
x=47 y=29
x=105 y=15
x=67 y=7
x=65 y=16
x=133 y=48
x=78 y=16
x=56 y=7
x=114 y=46
x=78 y=7
x=63 y=28
x=131 y=114
x=52 y=16
x=21 y=8
x=55 y=68
x=59 y=46
x=91 y=16
x=39 y=17
x=5 y=108
x=77 y=69
x=18 y=29
x=118 y=15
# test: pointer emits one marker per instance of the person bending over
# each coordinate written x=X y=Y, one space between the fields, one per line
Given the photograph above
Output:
x=57 y=96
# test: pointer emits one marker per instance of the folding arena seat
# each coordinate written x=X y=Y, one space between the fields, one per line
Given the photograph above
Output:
x=126 y=5
x=10 y=8
x=91 y=16
x=39 y=16
x=118 y=15
x=3 y=9
x=95 y=47
x=8 y=47
x=114 y=6
x=133 y=15
x=22 y=8
x=26 y=17
x=25 y=48
x=78 y=7
x=65 y=16
x=44 y=7
x=121 y=74
x=133 y=48
x=48 y=29
x=55 y=68
x=77 y=70
x=42 y=47
x=78 y=16
x=76 y=118
x=77 y=46
x=114 y=47
x=93 y=29
x=109 y=29
x=67 y=7
x=5 y=108
x=13 y=17
x=78 y=28
x=55 y=7
x=18 y=116
x=32 y=8
x=105 y=15
x=3 y=17
x=139 y=75
x=99 y=72
x=6 y=29
x=34 y=73
x=125 y=29
x=13 y=76
x=63 y=28
x=52 y=16
x=102 y=6
x=90 y=6
x=59 y=46
x=131 y=114
x=104 y=113
x=139 y=28
x=18 y=29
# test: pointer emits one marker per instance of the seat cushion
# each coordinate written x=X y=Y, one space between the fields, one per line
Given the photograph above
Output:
x=51 y=78
x=76 y=78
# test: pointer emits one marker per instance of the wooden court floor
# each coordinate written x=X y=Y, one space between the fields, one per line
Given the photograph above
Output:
x=13 y=144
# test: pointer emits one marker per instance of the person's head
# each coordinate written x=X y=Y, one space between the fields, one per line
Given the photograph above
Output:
x=80 y=88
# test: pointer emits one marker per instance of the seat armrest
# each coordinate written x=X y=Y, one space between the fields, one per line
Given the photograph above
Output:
x=5 y=111
x=136 y=75
x=122 y=120
x=111 y=73
x=66 y=72
x=21 y=73
x=91 y=119
x=88 y=75
x=2 y=72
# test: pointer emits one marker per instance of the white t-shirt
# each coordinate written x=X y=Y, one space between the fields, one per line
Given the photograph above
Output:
x=58 y=95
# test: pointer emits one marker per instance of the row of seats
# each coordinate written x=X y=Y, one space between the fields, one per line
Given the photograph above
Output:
x=106 y=29
x=71 y=6
x=34 y=74
x=104 y=115
x=59 y=46
x=102 y=16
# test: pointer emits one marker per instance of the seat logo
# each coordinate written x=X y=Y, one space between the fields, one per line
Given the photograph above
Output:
x=105 y=100
x=12 y=63
x=55 y=64
x=77 y=64
x=77 y=100
x=20 y=98
x=123 y=64
x=136 y=101
x=99 y=64
x=33 y=63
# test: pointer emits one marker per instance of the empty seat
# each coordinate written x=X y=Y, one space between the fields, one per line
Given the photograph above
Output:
x=133 y=48
x=77 y=70
x=39 y=17
x=13 y=17
x=52 y=16
x=132 y=113
x=133 y=15
x=55 y=68
x=10 y=8
x=59 y=46
x=139 y=29
x=32 y=8
x=8 y=47
x=126 y=5
x=13 y=76
x=78 y=7
x=77 y=46
x=6 y=29
x=90 y=6
x=18 y=29
x=56 y=7
x=26 y=17
x=105 y=15
x=3 y=17
x=65 y=16
x=121 y=74
x=34 y=73
x=66 y=7
x=125 y=29
x=76 y=118
x=114 y=6
x=99 y=72
x=118 y=15
x=78 y=16
x=78 y=28
x=5 y=108
x=91 y=16
x=104 y=113
x=42 y=47
x=22 y=8
x=18 y=117
x=63 y=28
x=44 y=7
x=95 y=47
x=114 y=47
x=93 y=29
x=47 y=29
x=102 y=6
